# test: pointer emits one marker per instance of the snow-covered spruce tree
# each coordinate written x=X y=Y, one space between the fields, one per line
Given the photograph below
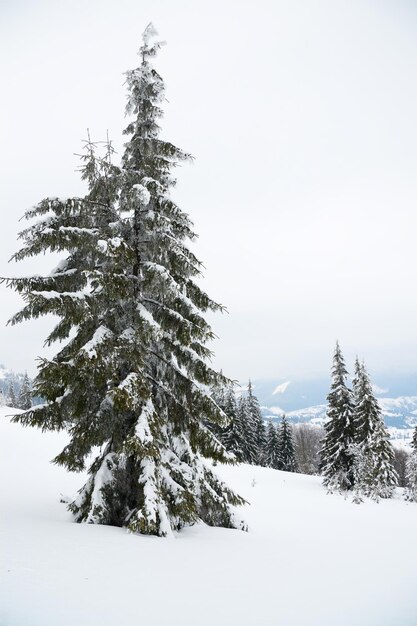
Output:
x=286 y=446
x=272 y=449
x=356 y=391
x=233 y=434
x=336 y=455
x=11 y=396
x=258 y=425
x=238 y=436
x=250 y=451
x=134 y=379
x=414 y=440
x=410 y=492
x=375 y=474
x=24 y=400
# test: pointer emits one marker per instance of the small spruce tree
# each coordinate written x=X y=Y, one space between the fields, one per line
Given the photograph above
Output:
x=249 y=435
x=410 y=492
x=233 y=434
x=11 y=396
x=258 y=425
x=375 y=475
x=273 y=456
x=336 y=454
x=286 y=446
x=414 y=440
x=25 y=394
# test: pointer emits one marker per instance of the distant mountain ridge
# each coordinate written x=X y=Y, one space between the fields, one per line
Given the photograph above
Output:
x=304 y=400
x=293 y=393
x=398 y=412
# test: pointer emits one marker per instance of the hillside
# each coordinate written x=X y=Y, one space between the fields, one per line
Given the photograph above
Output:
x=309 y=559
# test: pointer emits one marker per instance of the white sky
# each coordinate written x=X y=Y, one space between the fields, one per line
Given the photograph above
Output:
x=302 y=117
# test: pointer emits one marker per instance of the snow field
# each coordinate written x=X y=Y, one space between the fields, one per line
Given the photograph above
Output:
x=309 y=559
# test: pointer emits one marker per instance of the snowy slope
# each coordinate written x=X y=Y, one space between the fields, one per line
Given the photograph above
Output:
x=308 y=560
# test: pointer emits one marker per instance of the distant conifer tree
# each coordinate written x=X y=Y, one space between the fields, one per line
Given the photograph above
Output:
x=25 y=394
x=410 y=492
x=375 y=475
x=286 y=446
x=414 y=440
x=258 y=425
x=250 y=452
x=336 y=454
x=273 y=456
x=233 y=434
x=11 y=396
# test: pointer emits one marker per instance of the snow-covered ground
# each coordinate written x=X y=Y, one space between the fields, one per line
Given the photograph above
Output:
x=309 y=559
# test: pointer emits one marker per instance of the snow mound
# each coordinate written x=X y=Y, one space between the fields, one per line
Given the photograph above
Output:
x=309 y=559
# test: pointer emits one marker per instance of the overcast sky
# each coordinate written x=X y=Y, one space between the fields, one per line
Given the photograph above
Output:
x=301 y=116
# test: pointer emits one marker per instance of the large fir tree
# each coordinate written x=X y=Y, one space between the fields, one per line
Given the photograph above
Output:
x=134 y=378
x=336 y=455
